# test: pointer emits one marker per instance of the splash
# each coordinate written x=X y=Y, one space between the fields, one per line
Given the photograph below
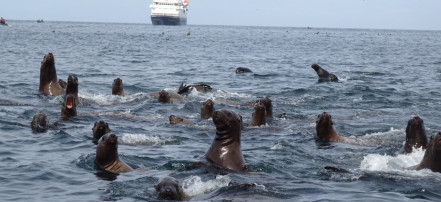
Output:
x=109 y=99
x=277 y=146
x=194 y=186
x=386 y=163
x=142 y=139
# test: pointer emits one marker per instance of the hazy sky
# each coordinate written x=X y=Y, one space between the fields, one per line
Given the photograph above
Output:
x=376 y=14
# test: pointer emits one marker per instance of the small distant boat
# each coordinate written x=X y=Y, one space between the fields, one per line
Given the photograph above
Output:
x=3 y=21
x=40 y=21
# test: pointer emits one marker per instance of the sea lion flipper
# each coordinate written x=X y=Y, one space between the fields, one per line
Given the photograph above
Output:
x=184 y=89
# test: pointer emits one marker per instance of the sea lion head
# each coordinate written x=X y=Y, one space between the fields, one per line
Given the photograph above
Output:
x=117 y=87
x=164 y=97
x=316 y=67
x=99 y=129
x=268 y=106
x=207 y=109
x=69 y=107
x=39 y=123
x=168 y=188
x=48 y=73
x=243 y=70
x=432 y=156
x=107 y=149
x=62 y=83
x=321 y=73
x=415 y=134
x=228 y=126
x=324 y=126
x=72 y=84
x=175 y=119
x=259 y=115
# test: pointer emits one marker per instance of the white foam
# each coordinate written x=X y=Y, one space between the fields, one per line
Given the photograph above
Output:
x=277 y=146
x=194 y=186
x=386 y=163
x=109 y=99
x=142 y=139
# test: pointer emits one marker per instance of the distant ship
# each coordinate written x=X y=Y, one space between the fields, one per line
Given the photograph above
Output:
x=169 y=12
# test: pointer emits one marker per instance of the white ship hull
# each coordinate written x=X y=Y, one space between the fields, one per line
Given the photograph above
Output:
x=169 y=12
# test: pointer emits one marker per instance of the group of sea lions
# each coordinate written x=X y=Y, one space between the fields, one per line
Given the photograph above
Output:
x=225 y=150
x=415 y=138
x=415 y=132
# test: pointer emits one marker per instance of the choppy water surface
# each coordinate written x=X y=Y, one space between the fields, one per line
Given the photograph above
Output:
x=387 y=77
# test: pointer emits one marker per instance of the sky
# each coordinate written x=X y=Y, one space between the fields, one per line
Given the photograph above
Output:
x=367 y=14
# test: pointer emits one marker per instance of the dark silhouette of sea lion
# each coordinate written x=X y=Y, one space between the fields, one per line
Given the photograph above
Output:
x=99 y=129
x=432 y=156
x=117 y=87
x=62 y=83
x=207 y=109
x=415 y=135
x=225 y=151
x=168 y=188
x=178 y=120
x=185 y=89
x=107 y=155
x=258 y=117
x=48 y=77
x=323 y=74
x=40 y=123
x=325 y=130
x=240 y=70
x=72 y=87
x=69 y=107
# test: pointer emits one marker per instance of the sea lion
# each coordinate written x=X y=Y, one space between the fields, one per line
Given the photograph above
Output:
x=99 y=129
x=48 y=77
x=225 y=151
x=240 y=70
x=258 y=117
x=107 y=155
x=185 y=89
x=415 y=135
x=207 y=109
x=268 y=107
x=39 y=123
x=72 y=87
x=178 y=120
x=62 y=83
x=69 y=107
x=325 y=130
x=168 y=188
x=117 y=87
x=432 y=156
x=323 y=74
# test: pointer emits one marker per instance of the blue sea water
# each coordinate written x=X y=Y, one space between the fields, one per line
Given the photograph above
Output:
x=386 y=78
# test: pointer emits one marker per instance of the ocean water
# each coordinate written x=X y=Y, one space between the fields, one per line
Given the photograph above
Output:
x=386 y=78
